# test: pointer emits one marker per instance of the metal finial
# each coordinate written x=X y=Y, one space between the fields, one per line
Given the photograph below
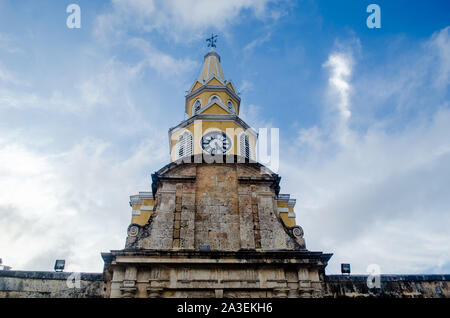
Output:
x=212 y=40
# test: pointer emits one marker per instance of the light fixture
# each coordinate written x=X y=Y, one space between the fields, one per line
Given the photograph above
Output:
x=345 y=269
x=59 y=265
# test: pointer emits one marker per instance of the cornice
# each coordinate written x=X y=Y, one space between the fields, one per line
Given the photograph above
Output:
x=213 y=117
x=213 y=88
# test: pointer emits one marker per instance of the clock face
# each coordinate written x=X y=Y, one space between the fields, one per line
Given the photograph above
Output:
x=216 y=143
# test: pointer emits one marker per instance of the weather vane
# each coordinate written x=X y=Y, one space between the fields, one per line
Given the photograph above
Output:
x=212 y=40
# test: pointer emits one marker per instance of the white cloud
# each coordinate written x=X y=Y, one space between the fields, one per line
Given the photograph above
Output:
x=381 y=195
x=180 y=19
x=378 y=198
x=70 y=205
x=18 y=99
x=62 y=195
x=440 y=44
x=108 y=84
x=310 y=137
x=246 y=86
x=8 y=77
x=163 y=63
x=9 y=44
x=340 y=65
x=253 y=115
x=257 y=42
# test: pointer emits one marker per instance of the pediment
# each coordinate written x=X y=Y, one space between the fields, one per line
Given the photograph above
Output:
x=214 y=81
x=216 y=109
x=195 y=86
x=221 y=109
x=231 y=86
x=253 y=171
x=189 y=169
x=175 y=170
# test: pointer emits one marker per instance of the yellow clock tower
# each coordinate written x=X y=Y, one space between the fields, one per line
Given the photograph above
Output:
x=213 y=126
x=215 y=223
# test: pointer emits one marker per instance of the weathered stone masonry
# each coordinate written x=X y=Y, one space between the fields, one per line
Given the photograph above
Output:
x=21 y=284
x=225 y=206
x=392 y=286
x=229 y=210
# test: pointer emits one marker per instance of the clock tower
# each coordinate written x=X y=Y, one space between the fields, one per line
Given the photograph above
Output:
x=214 y=223
x=213 y=126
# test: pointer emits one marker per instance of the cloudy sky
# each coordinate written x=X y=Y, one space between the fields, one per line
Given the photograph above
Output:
x=364 y=118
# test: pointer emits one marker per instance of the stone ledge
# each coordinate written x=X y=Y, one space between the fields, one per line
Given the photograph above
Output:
x=387 y=278
x=50 y=275
x=216 y=257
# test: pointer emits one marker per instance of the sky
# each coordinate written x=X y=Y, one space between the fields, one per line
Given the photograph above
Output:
x=364 y=119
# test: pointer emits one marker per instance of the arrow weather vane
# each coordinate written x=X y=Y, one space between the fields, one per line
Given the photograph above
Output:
x=212 y=40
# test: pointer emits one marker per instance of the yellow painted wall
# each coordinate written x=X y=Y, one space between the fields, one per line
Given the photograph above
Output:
x=204 y=98
x=196 y=86
x=214 y=81
x=143 y=218
x=231 y=86
x=215 y=109
x=145 y=215
x=288 y=220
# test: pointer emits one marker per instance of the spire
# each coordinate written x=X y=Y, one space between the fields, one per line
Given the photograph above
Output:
x=212 y=88
x=211 y=65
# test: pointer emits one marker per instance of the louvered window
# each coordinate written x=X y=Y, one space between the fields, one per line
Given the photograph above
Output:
x=245 y=146
x=185 y=145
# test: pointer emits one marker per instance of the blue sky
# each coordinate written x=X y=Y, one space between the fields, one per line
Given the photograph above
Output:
x=363 y=114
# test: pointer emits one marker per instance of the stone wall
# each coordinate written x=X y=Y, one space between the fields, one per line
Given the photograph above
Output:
x=392 y=286
x=183 y=274
x=22 y=284
x=215 y=231
x=226 y=207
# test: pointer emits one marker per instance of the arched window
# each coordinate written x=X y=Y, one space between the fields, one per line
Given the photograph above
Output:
x=215 y=99
x=244 y=145
x=230 y=106
x=184 y=146
x=197 y=106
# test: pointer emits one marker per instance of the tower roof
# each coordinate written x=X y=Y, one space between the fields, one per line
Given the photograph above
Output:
x=211 y=67
x=211 y=93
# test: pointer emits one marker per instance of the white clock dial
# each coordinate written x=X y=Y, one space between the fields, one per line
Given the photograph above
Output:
x=216 y=143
